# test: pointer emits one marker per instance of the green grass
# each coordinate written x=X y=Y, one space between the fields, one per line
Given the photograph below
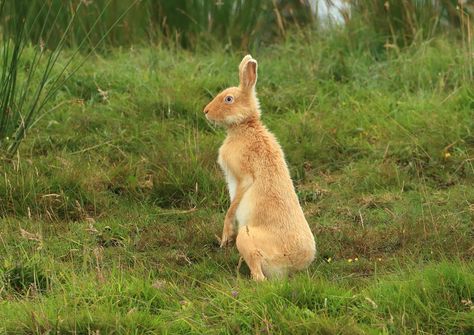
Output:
x=109 y=210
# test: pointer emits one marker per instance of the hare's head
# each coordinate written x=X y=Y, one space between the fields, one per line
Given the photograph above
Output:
x=235 y=105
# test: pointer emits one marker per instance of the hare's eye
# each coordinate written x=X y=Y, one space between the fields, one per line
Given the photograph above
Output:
x=229 y=99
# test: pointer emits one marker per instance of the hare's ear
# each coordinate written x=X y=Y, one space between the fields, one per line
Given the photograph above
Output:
x=242 y=65
x=248 y=73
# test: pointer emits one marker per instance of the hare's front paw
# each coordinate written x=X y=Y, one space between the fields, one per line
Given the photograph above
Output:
x=228 y=238
x=228 y=233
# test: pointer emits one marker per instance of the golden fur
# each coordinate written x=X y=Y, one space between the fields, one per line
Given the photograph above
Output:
x=272 y=236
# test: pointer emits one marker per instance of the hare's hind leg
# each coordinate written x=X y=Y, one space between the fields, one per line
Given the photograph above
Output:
x=262 y=254
x=252 y=255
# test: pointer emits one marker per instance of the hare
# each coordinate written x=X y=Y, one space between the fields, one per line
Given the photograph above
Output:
x=272 y=236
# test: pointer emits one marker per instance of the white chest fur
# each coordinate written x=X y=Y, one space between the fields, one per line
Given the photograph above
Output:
x=243 y=211
x=229 y=177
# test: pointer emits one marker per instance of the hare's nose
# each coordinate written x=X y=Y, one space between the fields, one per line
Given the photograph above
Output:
x=206 y=111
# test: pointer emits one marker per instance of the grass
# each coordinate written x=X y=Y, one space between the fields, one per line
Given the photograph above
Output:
x=110 y=207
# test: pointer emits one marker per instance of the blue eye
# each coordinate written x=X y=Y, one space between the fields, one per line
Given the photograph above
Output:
x=229 y=99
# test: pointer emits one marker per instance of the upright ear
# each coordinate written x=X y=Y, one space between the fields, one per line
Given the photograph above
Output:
x=248 y=73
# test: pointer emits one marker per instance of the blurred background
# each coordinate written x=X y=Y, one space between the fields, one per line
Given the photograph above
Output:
x=239 y=24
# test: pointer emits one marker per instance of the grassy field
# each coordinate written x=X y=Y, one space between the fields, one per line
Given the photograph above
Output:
x=110 y=209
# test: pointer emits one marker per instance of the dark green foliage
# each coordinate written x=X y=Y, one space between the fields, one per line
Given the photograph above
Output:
x=400 y=23
x=238 y=24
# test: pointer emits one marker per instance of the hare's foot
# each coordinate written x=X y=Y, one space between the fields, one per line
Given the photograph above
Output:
x=258 y=276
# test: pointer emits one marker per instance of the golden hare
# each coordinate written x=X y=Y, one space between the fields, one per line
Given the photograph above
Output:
x=272 y=236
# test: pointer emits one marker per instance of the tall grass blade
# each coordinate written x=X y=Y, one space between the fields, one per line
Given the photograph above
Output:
x=25 y=92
